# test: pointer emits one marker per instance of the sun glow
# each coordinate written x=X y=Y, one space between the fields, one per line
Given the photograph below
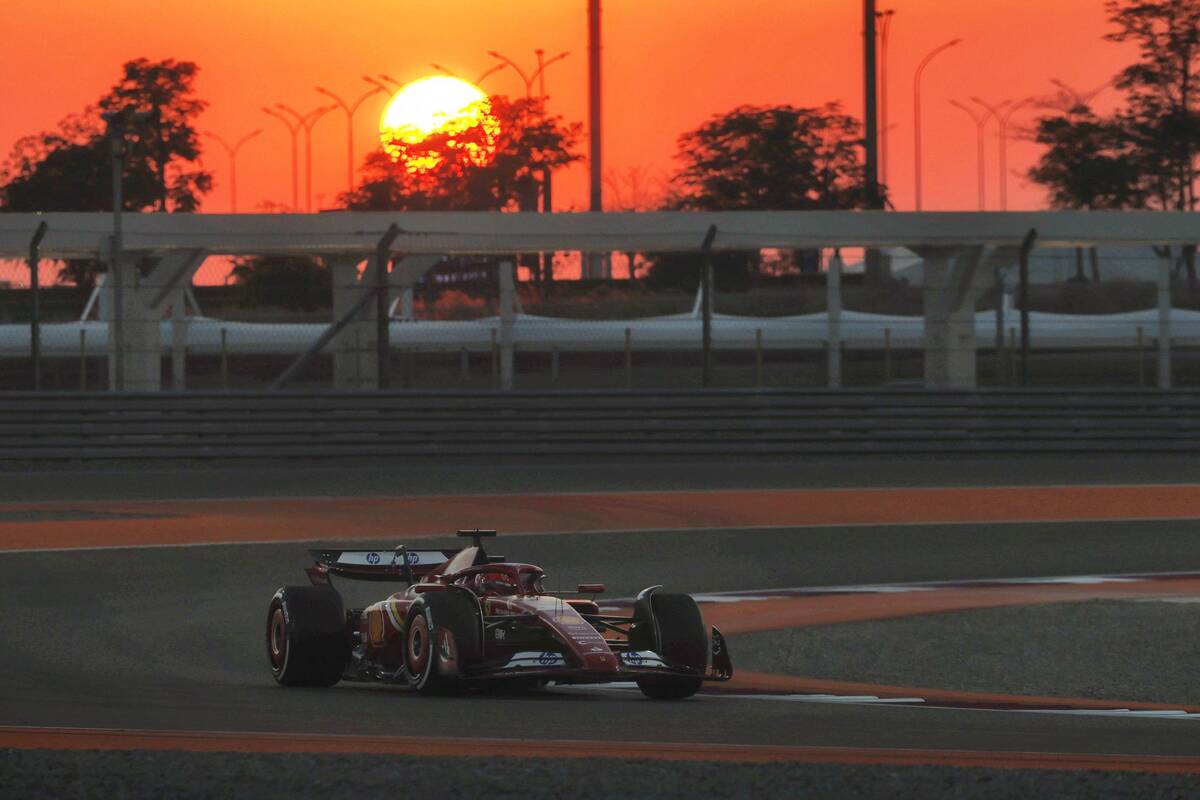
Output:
x=436 y=118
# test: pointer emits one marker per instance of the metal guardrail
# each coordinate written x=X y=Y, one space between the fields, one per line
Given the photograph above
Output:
x=312 y=425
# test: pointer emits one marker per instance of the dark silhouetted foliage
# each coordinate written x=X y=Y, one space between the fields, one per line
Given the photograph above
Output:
x=1143 y=154
x=292 y=282
x=1161 y=88
x=761 y=158
x=1088 y=162
x=772 y=158
x=732 y=272
x=70 y=169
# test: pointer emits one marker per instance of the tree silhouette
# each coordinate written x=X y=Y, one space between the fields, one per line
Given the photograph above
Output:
x=1144 y=154
x=1161 y=92
x=1088 y=161
x=772 y=158
x=69 y=169
x=291 y=282
x=762 y=158
x=166 y=145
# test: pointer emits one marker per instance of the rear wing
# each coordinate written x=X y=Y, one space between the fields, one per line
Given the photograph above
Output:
x=400 y=564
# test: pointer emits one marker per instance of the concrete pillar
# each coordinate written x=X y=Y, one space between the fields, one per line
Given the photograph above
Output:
x=1164 y=323
x=354 y=352
x=144 y=301
x=942 y=368
x=954 y=281
x=833 y=305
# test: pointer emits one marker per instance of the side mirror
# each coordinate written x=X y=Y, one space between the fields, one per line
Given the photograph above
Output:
x=591 y=588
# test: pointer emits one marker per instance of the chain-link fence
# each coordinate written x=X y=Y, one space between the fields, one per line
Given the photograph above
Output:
x=1094 y=320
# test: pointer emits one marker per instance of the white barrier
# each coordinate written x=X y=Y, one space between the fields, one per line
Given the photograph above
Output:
x=677 y=332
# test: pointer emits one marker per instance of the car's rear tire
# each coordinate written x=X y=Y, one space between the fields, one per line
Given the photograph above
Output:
x=306 y=636
x=682 y=640
x=452 y=611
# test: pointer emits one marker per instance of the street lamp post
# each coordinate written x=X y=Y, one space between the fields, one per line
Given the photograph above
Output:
x=445 y=71
x=1076 y=98
x=917 y=156
x=595 y=261
x=390 y=81
x=307 y=122
x=293 y=131
x=350 y=109
x=1003 y=117
x=537 y=76
x=981 y=119
x=885 y=31
x=529 y=79
x=871 y=112
x=117 y=126
x=232 y=150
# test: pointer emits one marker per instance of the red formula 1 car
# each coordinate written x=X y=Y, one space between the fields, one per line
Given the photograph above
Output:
x=470 y=619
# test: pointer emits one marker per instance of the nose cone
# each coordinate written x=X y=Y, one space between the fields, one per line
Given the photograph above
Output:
x=600 y=662
x=577 y=633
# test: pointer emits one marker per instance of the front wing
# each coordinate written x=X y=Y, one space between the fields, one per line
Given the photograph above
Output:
x=553 y=666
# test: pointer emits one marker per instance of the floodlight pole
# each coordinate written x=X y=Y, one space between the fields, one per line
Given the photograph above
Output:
x=874 y=199
x=35 y=321
x=595 y=261
x=871 y=102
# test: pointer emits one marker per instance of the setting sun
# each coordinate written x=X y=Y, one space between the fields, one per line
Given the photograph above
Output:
x=432 y=117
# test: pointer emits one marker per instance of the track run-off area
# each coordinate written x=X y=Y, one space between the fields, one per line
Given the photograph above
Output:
x=137 y=624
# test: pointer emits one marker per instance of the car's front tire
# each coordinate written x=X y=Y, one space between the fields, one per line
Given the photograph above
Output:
x=454 y=612
x=681 y=638
x=306 y=636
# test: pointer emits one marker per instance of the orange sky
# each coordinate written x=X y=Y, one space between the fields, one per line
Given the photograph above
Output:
x=669 y=65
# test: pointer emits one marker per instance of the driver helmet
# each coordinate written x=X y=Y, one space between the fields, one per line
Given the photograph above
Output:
x=495 y=583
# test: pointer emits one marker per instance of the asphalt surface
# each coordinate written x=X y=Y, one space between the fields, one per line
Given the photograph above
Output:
x=1135 y=649
x=42 y=775
x=172 y=638
x=76 y=481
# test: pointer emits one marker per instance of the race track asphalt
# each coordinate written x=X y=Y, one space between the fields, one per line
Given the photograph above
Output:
x=172 y=638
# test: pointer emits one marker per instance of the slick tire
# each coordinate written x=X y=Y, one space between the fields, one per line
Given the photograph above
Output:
x=306 y=636
x=456 y=612
x=682 y=640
